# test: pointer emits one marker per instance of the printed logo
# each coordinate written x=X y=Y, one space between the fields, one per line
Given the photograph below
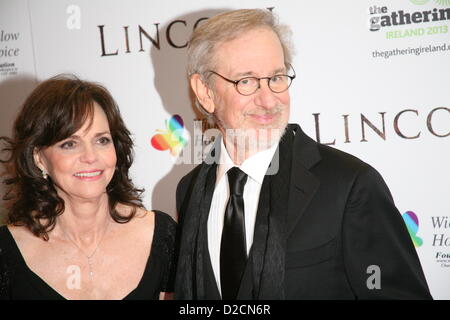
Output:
x=9 y=52
x=422 y=2
x=381 y=17
x=441 y=239
x=172 y=138
x=419 y=2
x=412 y=223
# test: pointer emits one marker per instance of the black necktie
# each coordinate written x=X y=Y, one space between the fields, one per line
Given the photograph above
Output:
x=233 y=248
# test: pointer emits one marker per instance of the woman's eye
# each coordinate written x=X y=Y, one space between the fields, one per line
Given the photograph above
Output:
x=104 y=140
x=68 y=145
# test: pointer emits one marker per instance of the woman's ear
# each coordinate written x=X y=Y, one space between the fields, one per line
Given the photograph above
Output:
x=37 y=157
x=203 y=92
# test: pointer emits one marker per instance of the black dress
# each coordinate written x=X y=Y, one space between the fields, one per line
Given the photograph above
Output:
x=17 y=281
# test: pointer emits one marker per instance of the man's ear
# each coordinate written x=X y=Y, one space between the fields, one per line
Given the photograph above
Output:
x=203 y=92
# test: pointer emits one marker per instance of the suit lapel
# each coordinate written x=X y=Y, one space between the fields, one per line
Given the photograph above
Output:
x=303 y=184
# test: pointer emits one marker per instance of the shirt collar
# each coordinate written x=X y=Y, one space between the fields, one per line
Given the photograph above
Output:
x=255 y=166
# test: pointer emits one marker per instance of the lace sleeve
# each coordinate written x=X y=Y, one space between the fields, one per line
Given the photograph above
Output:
x=166 y=244
x=4 y=277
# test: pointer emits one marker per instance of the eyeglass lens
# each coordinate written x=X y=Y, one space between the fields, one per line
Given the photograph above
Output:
x=278 y=83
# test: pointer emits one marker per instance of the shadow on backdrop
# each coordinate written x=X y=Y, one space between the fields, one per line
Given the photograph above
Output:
x=13 y=92
x=172 y=84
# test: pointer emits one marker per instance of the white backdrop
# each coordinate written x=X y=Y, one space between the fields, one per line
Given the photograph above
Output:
x=381 y=95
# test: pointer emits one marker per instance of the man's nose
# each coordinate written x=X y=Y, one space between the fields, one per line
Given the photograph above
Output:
x=265 y=97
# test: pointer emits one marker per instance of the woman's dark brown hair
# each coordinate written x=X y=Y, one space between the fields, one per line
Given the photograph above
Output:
x=54 y=111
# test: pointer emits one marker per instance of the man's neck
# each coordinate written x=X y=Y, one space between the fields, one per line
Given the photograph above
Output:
x=241 y=144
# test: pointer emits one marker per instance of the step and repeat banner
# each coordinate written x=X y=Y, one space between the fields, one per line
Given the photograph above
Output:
x=372 y=80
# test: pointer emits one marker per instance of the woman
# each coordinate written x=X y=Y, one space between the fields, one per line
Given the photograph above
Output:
x=77 y=228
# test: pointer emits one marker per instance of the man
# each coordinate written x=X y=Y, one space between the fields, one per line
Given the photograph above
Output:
x=266 y=217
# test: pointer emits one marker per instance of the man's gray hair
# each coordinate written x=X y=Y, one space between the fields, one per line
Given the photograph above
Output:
x=228 y=26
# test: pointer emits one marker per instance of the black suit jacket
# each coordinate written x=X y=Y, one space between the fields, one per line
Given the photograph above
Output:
x=343 y=236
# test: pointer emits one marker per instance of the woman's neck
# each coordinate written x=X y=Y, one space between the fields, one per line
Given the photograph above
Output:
x=84 y=221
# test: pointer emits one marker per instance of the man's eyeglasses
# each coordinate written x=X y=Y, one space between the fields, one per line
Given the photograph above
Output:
x=246 y=86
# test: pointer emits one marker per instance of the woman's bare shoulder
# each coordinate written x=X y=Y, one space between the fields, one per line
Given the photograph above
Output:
x=143 y=220
x=20 y=233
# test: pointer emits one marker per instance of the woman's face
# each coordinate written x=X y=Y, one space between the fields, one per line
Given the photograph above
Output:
x=82 y=165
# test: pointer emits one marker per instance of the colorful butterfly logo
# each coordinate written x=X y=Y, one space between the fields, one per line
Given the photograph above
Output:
x=412 y=224
x=170 y=138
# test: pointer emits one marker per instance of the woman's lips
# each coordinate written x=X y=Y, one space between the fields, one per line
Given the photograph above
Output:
x=89 y=175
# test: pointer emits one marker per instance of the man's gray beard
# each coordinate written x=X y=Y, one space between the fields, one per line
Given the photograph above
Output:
x=252 y=141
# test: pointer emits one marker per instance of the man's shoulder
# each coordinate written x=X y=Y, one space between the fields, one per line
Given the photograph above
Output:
x=184 y=187
x=333 y=163
x=342 y=166
x=338 y=158
x=187 y=178
x=185 y=183
x=316 y=155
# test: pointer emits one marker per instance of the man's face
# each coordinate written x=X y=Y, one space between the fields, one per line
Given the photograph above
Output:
x=257 y=53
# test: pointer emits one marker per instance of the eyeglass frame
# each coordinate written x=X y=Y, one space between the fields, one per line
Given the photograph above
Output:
x=236 y=82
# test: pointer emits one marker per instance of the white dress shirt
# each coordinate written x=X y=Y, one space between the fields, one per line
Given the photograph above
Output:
x=255 y=167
